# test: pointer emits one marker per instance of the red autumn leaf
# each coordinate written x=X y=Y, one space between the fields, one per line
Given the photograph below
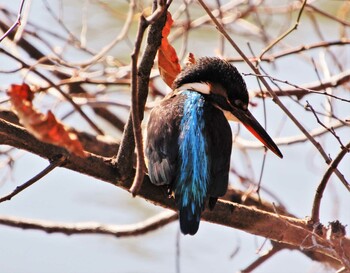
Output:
x=168 y=62
x=44 y=127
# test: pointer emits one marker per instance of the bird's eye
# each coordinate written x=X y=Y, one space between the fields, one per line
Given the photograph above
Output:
x=240 y=104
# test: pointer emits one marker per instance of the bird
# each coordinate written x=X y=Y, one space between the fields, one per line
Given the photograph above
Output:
x=189 y=139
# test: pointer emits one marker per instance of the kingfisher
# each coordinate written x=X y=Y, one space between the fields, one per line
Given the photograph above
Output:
x=189 y=139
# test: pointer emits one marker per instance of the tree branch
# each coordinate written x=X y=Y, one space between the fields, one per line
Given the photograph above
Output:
x=125 y=154
x=135 y=113
x=15 y=24
x=288 y=230
x=315 y=218
x=309 y=88
x=285 y=34
x=140 y=228
x=275 y=98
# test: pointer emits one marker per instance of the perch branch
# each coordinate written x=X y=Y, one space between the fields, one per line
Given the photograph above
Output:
x=289 y=230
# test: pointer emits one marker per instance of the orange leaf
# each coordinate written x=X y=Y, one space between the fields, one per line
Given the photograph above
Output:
x=168 y=61
x=45 y=128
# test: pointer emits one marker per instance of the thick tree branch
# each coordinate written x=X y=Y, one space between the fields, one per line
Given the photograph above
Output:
x=125 y=154
x=288 y=230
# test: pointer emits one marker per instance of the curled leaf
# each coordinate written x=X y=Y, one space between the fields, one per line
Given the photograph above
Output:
x=168 y=62
x=44 y=127
x=190 y=59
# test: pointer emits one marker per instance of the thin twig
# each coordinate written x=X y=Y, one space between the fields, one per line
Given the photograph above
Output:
x=274 y=249
x=271 y=92
x=178 y=252
x=124 y=158
x=331 y=130
x=293 y=51
x=66 y=96
x=60 y=21
x=53 y=164
x=248 y=144
x=15 y=24
x=116 y=40
x=329 y=16
x=300 y=91
x=286 y=33
x=315 y=217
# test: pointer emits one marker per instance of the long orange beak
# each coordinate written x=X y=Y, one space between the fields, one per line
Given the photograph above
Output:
x=256 y=129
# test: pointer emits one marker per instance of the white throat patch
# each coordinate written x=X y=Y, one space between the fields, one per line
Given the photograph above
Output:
x=200 y=87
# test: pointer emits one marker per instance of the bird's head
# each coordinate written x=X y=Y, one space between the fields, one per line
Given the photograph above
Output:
x=225 y=89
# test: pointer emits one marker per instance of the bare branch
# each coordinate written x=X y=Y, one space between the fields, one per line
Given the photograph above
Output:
x=140 y=228
x=331 y=129
x=315 y=218
x=309 y=88
x=69 y=99
x=289 y=230
x=326 y=14
x=135 y=113
x=269 y=89
x=15 y=24
x=280 y=141
x=125 y=154
x=274 y=249
x=285 y=34
x=292 y=51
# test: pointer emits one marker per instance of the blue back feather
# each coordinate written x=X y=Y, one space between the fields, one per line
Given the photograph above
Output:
x=192 y=182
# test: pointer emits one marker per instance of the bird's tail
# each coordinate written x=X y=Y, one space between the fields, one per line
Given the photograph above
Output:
x=189 y=219
x=190 y=211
